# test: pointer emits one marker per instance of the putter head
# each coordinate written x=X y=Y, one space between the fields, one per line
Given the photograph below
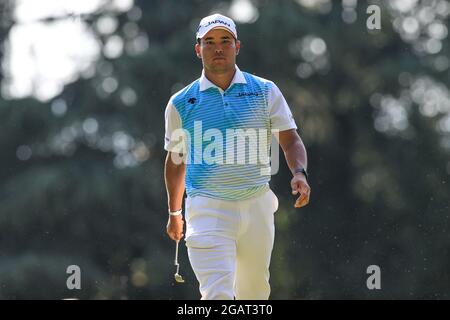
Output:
x=178 y=278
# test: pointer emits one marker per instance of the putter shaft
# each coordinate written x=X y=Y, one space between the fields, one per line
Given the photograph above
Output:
x=176 y=253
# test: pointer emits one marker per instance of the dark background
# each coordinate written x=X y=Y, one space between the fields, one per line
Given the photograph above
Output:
x=86 y=186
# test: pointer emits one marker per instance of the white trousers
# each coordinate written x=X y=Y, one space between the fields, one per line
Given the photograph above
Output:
x=230 y=244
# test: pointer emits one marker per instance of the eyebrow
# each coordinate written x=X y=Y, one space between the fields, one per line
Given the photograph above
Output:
x=211 y=38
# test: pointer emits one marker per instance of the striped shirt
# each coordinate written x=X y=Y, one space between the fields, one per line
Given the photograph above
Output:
x=226 y=134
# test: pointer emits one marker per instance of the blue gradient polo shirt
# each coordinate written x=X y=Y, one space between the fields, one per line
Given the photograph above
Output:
x=226 y=135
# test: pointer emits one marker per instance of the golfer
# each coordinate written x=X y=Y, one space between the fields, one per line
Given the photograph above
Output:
x=229 y=209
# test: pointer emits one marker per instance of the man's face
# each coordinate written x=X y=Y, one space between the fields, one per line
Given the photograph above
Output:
x=218 y=50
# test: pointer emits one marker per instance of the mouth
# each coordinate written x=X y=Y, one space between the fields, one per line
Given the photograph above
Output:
x=218 y=58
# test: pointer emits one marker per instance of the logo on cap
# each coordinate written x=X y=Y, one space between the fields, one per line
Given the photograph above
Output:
x=217 y=21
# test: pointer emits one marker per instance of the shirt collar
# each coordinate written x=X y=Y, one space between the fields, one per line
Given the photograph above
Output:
x=206 y=84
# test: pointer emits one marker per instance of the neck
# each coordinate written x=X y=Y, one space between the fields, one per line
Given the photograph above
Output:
x=221 y=79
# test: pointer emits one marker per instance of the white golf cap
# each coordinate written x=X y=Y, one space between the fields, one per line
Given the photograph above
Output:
x=216 y=21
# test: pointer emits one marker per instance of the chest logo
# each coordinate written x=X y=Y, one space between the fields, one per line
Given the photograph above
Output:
x=248 y=94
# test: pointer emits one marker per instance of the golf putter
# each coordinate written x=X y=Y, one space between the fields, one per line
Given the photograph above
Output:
x=178 y=277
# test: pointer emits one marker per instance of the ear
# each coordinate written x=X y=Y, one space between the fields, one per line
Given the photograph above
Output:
x=238 y=46
x=197 y=51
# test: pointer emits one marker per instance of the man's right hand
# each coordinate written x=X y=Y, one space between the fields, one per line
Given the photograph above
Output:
x=175 y=227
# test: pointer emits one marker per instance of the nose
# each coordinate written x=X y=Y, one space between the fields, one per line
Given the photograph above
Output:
x=218 y=49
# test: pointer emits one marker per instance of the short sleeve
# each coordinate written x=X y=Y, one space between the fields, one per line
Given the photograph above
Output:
x=280 y=115
x=174 y=138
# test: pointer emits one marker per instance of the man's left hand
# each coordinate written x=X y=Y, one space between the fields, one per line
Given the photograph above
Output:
x=300 y=185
